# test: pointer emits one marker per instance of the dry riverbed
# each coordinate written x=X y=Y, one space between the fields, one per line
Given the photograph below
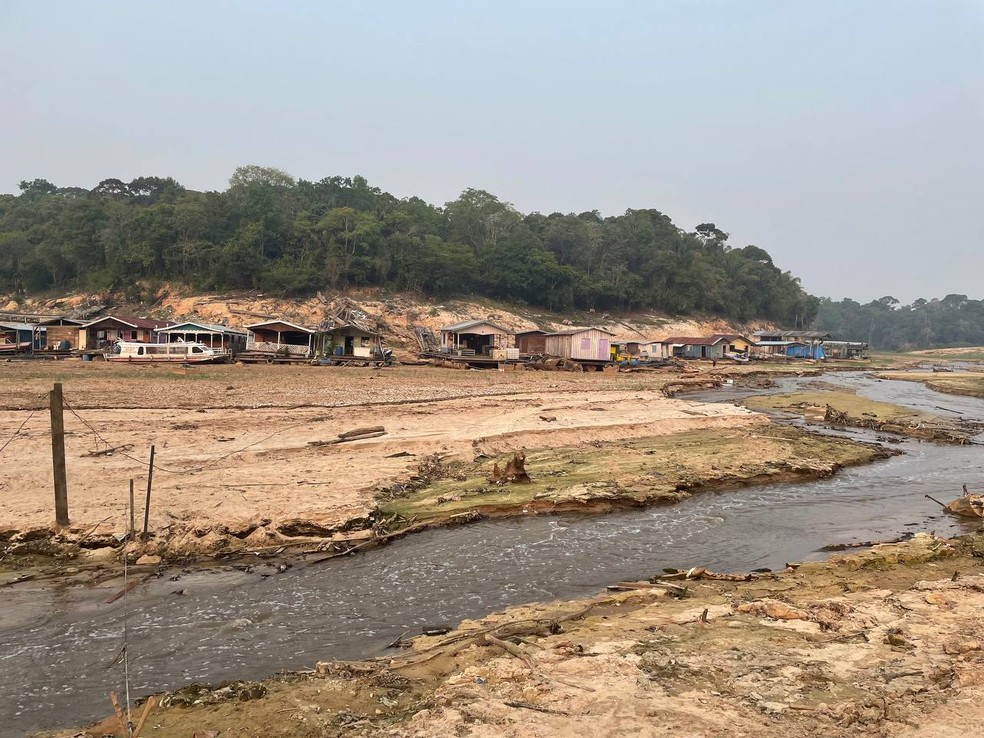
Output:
x=881 y=643
x=245 y=458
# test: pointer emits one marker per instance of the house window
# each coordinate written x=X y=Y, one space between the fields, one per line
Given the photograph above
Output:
x=133 y=335
x=585 y=344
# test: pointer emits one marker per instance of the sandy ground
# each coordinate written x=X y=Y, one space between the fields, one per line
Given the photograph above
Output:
x=232 y=443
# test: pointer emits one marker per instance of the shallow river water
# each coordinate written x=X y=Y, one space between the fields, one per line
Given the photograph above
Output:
x=57 y=646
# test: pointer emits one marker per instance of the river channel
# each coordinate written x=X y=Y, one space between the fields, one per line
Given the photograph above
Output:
x=57 y=645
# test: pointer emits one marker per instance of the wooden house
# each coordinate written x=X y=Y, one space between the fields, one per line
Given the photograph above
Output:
x=776 y=348
x=474 y=338
x=846 y=349
x=17 y=337
x=634 y=347
x=800 y=344
x=102 y=333
x=531 y=342
x=63 y=333
x=790 y=334
x=350 y=340
x=581 y=344
x=705 y=347
x=281 y=337
x=213 y=335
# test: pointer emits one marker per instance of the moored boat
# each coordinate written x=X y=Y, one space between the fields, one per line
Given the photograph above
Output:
x=14 y=348
x=179 y=352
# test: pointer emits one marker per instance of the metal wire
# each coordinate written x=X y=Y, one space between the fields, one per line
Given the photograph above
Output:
x=157 y=468
x=26 y=420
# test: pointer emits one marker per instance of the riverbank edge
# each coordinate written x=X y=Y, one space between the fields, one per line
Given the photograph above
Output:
x=938 y=385
x=77 y=557
x=524 y=652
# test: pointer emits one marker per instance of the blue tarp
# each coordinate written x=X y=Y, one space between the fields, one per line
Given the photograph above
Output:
x=806 y=352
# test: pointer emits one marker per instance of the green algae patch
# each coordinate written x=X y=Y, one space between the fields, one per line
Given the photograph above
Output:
x=603 y=476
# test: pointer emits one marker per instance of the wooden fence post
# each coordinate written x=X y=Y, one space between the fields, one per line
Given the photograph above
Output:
x=150 y=484
x=133 y=525
x=58 y=454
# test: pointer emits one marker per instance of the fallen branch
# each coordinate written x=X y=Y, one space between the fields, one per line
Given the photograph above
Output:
x=529 y=706
x=108 y=451
x=346 y=439
x=126 y=589
x=377 y=429
x=509 y=648
x=673 y=589
x=866 y=544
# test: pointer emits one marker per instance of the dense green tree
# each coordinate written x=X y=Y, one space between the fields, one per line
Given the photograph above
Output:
x=271 y=231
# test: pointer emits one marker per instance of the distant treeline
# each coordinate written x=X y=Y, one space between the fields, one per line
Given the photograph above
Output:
x=271 y=232
x=887 y=324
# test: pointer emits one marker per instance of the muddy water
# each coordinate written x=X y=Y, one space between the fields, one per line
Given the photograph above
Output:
x=56 y=647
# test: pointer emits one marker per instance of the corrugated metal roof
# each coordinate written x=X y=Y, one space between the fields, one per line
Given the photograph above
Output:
x=151 y=325
x=268 y=323
x=780 y=343
x=574 y=331
x=463 y=326
x=205 y=328
x=701 y=340
x=815 y=335
x=62 y=320
x=19 y=326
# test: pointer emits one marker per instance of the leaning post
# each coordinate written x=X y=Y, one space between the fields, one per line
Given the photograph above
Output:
x=150 y=485
x=58 y=454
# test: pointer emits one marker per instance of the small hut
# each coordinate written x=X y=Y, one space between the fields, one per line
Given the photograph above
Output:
x=63 y=333
x=15 y=337
x=474 y=338
x=531 y=342
x=103 y=332
x=213 y=335
x=705 y=347
x=581 y=344
x=281 y=337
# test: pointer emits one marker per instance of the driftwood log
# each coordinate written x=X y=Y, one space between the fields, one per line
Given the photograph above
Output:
x=358 y=434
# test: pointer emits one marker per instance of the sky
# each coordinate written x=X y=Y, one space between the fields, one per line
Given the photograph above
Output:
x=845 y=137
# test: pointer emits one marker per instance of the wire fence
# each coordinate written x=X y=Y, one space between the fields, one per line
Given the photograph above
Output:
x=41 y=405
x=100 y=438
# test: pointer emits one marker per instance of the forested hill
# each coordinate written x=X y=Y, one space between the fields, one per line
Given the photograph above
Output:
x=887 y=324
x=271 y=232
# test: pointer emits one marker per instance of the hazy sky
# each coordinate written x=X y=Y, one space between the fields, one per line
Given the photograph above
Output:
x=846 y=137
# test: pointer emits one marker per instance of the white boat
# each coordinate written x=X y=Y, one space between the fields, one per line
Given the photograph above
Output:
x=179 y=352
